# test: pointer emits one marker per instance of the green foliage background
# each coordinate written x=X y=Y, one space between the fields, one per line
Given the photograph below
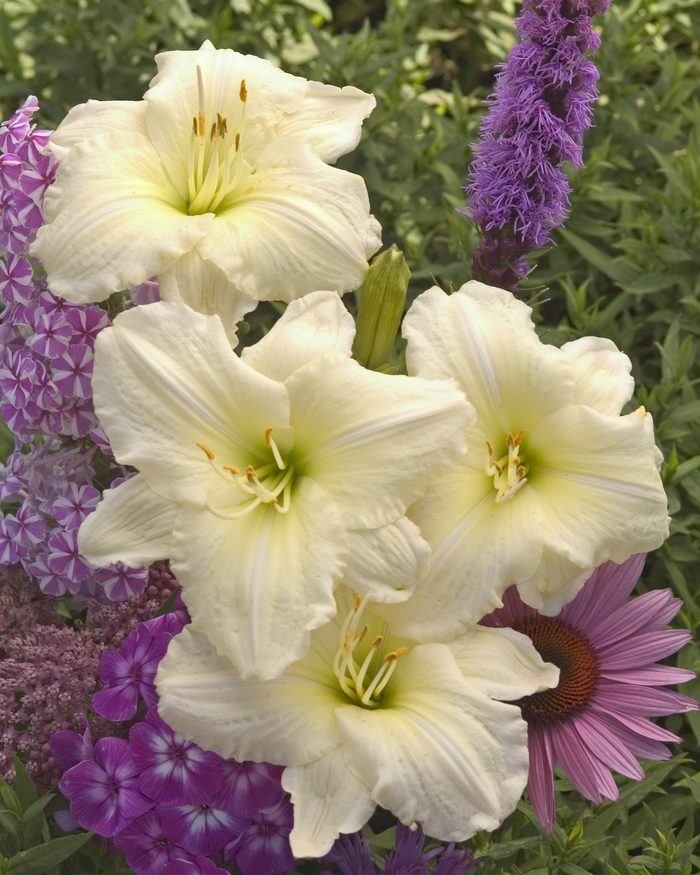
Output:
x=627 y=266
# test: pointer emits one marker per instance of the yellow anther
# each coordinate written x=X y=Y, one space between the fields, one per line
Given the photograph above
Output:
x=251 y=475
x=195 y=127
x=231 y=469
x=212 y=133
x=489 y=447
x=395 y=654
x=206 y=450
x=377 y=641
x=243 y=93
x=268 y=435
x=200 y=125
x=238 y=141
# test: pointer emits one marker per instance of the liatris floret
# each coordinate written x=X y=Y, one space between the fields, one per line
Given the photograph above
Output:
x=541 y=108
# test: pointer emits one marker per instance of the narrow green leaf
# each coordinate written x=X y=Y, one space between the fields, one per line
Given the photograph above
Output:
x=24 y=786
x=42 y=857
x=612 y=268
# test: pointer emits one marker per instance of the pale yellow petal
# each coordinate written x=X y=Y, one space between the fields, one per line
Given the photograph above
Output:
x=602 y=378
x=97 y=117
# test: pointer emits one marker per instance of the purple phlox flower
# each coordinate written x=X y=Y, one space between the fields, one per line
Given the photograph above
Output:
x=173 y=622
x=120 y=582
x=10 y=551
x=27 y=527
x=71 y=508
x=16 y=280
x=607 y=650
x=16 y=129
x=541 y=107
x=69 y=749
x=146 y=293
x=200 y=866
x=146 y=847
x=49 y=582
x=52 y=335
x=18 y=376
x=129 y=673
x=86 y=322
x=247 y=788
x=10 y=170
x=201 y=829
x=174 y=771
x=65 y=559
x=104 y=793
x=72 y=371
x=263 y=847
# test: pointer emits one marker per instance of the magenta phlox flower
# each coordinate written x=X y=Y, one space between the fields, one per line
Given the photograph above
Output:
x=86 y=322
x=71 y=508
x=18 y=376
x=607 y=650
x=52 y=335
x=129 y=673
x=263 y=846
x=174 y=621
x=10 y=552
x=49 y=582
x=27 y=527
x=68 y=748
x=16 y=280
x=104 y=793
x=147 y=848
x=247 y=788
x=200 y=866
x=173 y=770
x=65 y=559
x=146 y=293
x=201 y=829
x=72 y=371
x=120 y=582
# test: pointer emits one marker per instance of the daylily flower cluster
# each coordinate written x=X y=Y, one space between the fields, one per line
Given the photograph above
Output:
x=338 y=533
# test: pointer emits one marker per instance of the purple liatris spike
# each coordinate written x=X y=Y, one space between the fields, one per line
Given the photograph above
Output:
x=541 y=107
x=606 y=648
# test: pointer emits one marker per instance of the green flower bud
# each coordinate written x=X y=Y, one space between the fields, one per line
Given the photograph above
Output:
x=381 y=308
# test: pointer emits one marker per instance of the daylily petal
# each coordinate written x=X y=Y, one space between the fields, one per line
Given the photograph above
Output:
x=112 y=194
x=554 y=584
x=202 y=286
x=478 y=549
x=602 y=378
x=328 y=800
x=173 y=101
x=379 y=437
x=442 y=755
x=97 y=117
x=165 y=380
x=330 y=118
x=310 y=326
x=504 y=665
x=387 y=563
x=598 y=475
x=132 y=524
x=260 y=583
x=295 y=225
x=485 y=339
x=286 y=721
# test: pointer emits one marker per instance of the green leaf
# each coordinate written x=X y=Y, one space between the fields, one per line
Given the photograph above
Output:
x=42 y=857
x=36 y=808
x=24 y=786
x=612 y=268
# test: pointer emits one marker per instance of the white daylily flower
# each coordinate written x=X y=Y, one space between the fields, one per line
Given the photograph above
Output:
x=226 y=161
x=368 y=718
x=555 y=481
x=260 y=477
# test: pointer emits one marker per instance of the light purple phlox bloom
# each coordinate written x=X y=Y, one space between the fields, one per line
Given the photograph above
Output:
x=263 y=846
x=146 y=847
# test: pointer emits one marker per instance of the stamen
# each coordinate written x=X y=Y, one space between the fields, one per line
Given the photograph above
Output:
x=243 y=93
x=231 y=469
x=205 y=449
x=238 y=514
x=275 y=452
x=365 y=665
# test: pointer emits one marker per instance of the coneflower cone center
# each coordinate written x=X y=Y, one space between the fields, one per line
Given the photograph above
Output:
x=573 y=655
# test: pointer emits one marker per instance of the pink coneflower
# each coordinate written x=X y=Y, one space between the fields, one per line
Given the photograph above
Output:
x=606 y=648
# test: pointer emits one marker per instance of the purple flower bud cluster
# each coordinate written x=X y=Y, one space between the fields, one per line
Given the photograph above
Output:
x=49 y=671
x=46 y=361
x=351 y=854
x=541 y=108
x=168 y=805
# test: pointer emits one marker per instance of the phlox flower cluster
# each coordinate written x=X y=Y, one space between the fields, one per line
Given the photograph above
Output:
x=162 y=799
x=541 y=107
x=46 y=361
x=49 y=670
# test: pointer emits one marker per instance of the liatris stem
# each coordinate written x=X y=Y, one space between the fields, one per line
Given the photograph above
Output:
x=541 y=107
